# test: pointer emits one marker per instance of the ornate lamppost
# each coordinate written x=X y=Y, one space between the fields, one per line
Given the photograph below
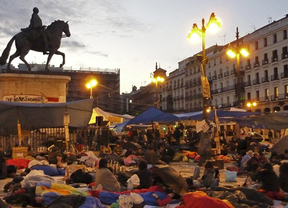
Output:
x=212 y=24
x=238 y=50
x=205 y=142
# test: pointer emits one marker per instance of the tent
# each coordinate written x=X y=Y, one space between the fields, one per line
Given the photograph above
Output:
x=280 y=146
x=107 y=116
x=153 y=114
x=276 y=121
x=48 y=115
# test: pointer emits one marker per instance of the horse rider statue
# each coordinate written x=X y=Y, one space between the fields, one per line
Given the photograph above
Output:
x=36 y=29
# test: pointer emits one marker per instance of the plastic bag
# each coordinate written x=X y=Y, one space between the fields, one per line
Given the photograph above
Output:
x=230 y=176
x=137 y=198
x=135 y=180
x=126 y=201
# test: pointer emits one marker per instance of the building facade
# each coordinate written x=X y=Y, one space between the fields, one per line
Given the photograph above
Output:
x=263 y=76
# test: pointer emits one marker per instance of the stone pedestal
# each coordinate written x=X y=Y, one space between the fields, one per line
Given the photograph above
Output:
x=33 y=88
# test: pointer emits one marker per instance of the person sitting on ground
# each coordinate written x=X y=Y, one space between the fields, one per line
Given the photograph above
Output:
x=139 y=152
x=269 y=181
x=254 y=160
x=107 y=150
x=245 y=159
x=286 y=154
x=210 y=177
x=150 y=155
x=274 y=158
x=52 y=156
x=144 y=175
x=283 y=176
x=252 y=175
x=118 y=150
x=105 y=179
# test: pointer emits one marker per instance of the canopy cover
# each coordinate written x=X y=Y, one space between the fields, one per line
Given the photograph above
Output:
x=48 y=115
x=153 y=114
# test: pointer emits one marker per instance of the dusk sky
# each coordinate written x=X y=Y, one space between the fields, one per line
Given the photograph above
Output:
x=132 y=35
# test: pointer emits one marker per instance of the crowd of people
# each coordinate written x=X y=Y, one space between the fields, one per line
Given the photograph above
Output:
x=143 y=152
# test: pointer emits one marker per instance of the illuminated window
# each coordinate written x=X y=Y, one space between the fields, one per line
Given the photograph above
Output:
x=276 y=92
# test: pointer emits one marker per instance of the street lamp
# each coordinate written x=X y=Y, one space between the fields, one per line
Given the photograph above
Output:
x=237 y=51
x=90 y=86
x=213 y=24
x=155 y=79
x=251 y=105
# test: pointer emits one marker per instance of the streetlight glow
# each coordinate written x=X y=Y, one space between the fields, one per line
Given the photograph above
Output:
x=90 y=86
x=244 y=52
x=231 y=53
x=213 y=24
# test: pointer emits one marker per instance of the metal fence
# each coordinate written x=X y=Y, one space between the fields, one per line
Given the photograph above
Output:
x=40 y=139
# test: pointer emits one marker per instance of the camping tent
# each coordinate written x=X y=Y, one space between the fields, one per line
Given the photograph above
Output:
x=48 y=115
x=107 y=116
x=280 y=146
x=153 y=114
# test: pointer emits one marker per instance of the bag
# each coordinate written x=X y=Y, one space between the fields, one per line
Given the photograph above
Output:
x=230 y=176
x=125 y=201
x=137 y=198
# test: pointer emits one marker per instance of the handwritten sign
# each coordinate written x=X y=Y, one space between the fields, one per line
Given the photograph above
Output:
x=202 y=126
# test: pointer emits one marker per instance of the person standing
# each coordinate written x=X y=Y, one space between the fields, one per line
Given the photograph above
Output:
x=270 y=135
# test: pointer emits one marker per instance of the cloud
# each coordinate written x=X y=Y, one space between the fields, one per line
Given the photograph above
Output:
x=97 y=53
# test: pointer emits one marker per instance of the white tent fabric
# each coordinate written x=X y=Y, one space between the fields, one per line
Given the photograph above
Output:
x=107 y=116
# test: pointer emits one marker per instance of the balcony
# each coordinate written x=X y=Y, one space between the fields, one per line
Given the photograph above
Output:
x=274 y=77
x=264 y=79
x=233 y=71
x=284 y=75
x=256 y=81
x=284 y=55
x=226 y=74
x=248 y=83
x=220 y=75
x=265 y=61
x=248 y=66
x=256 y=64
x=274 y=97
x=214 y=77
x=274 y=58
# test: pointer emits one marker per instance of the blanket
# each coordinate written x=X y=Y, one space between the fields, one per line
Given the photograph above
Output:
x=45 y=187
x=49 y=170
x=20 y=163
x=199 y=199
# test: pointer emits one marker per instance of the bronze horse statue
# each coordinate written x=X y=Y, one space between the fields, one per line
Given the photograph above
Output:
x=24 y=43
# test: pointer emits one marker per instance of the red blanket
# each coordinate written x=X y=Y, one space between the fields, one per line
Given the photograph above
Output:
x=20 y=163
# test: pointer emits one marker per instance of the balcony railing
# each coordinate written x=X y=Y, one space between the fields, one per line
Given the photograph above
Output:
x=274 y=77
x=284 y=55
x=265 y=61
x=248 y=66
x=226 y=74
x=284 y=75
x=220 y=75
x=256 y=81
x=264 y=79
x=256 y=64
x=214 y=77
x=248 y=83
x=274 y=59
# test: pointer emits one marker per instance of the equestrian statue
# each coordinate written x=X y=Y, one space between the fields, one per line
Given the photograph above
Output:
x=38 y=38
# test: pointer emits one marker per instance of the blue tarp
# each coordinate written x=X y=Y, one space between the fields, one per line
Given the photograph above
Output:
x=153 y=114
x=198 y=116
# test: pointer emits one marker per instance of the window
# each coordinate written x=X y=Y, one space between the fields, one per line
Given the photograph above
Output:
x=256 y=59
x=286 y=89
x=275 y=38
x=284 y=34
x=256 y=45
x=220 y=59
x=276 y=92
x=285 y=70
x=265 y=42
x=228 y=100
x=249 y=96
x=257 y=95
x=284 y=52
x=266 y=93
x=265 y=58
